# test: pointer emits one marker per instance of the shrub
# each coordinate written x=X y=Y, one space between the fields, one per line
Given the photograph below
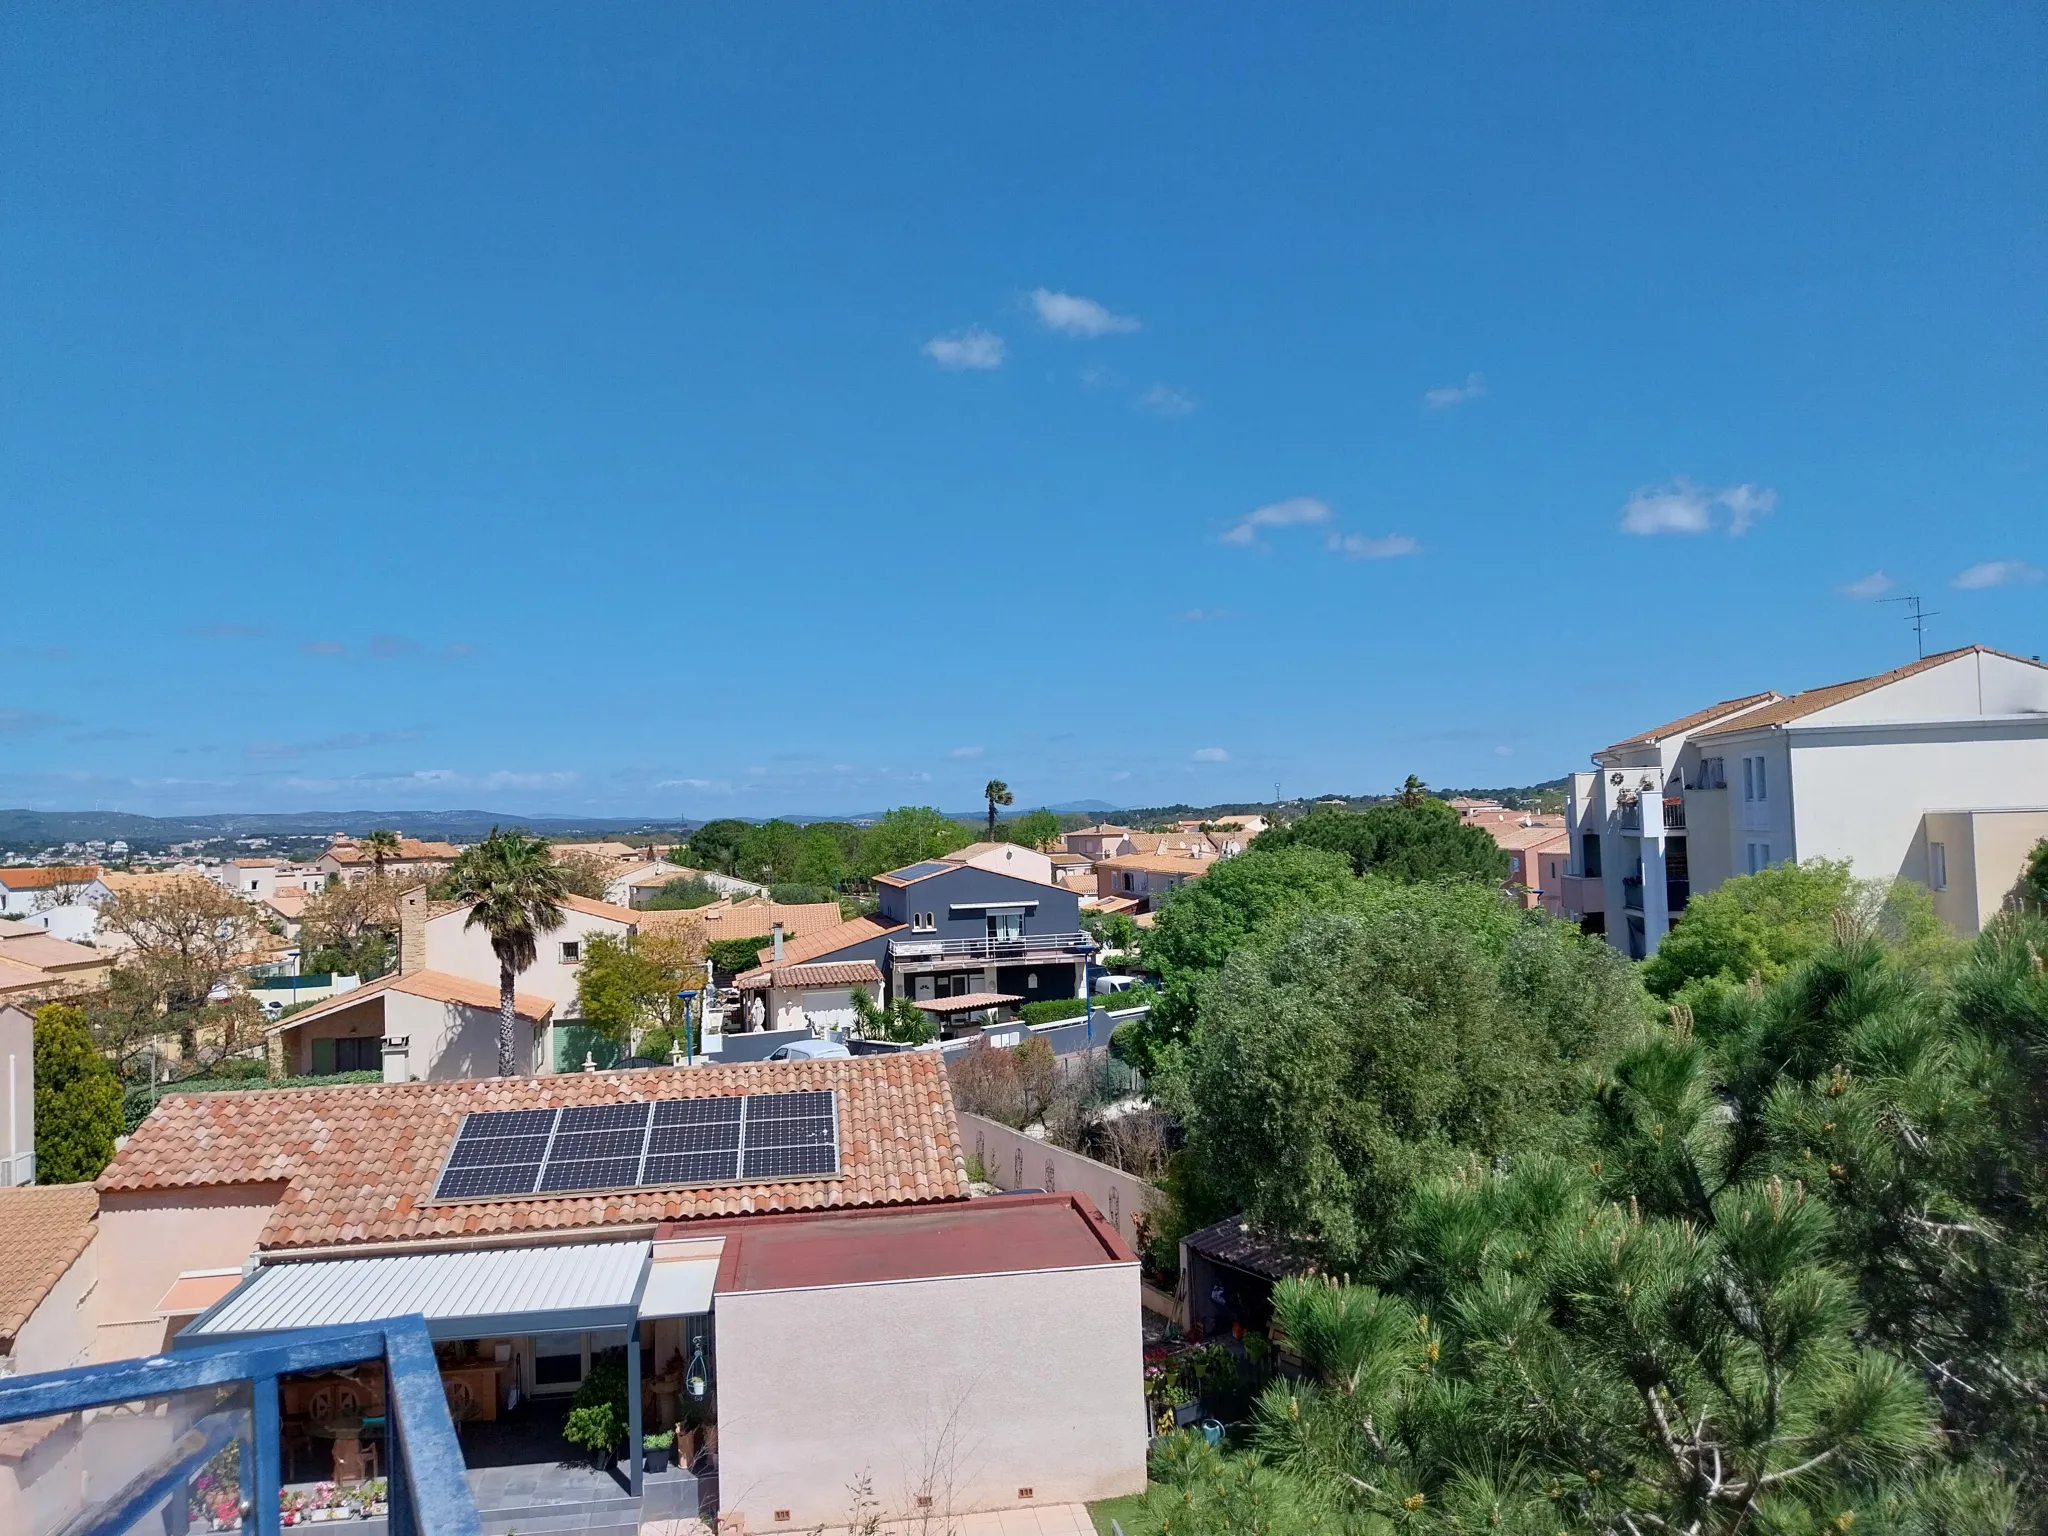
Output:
x=1054 y=1009
x=793 y=895
x=683 y=894
x=78 y=1099
x=597 y=1416
x=731 y=955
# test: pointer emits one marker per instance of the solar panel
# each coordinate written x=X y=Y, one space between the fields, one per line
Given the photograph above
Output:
x=919 y=871
x=663 y=1144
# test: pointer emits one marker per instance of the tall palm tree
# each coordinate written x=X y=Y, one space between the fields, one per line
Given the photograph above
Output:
x=1413 y=793
x=515 y=890
x=380 y=844
x=997 y=793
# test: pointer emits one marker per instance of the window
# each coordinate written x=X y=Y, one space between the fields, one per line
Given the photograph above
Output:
x=1006 y=925
x=1759 y=857
x=924 y=922
x=1589 y=854
x=349 y=1054
x=1749 y=778
x=572 y=951
x=1937 y=865
x=1713 y=773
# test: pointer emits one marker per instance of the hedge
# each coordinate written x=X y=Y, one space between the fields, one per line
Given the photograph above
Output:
x=1058 y=1008
x=736 y=954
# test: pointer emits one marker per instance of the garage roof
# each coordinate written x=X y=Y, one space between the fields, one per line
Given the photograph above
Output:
x=1004 y=1234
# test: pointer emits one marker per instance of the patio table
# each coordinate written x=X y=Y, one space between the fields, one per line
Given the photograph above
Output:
x=347 y=1435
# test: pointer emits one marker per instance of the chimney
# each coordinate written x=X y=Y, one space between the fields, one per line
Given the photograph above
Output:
x=412 y=930
x=778 y=941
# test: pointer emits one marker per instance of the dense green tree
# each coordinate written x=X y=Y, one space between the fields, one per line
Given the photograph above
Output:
x=2031 y=891
x=780 y=852
x=78 y=1099
x=1351 y=1052
x=1764 y=924
x=1418 y=838
x=683 y=894
x=716 y=846
x=1035 y=829
x=905 y=836
x=514 y=888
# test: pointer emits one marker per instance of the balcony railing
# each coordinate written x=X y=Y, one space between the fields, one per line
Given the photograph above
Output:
x=1674 y=813
x=1631 y=816
x=1632 y=894
x=186 y=1440
x=1023 y=947
x=1676 y=894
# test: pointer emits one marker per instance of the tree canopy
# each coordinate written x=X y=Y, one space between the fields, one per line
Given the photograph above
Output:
x=1416 y=837
x=1034 y=829
x=906 y=835
x=78 y=1099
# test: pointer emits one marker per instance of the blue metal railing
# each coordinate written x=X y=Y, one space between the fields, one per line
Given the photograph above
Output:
x=428 y=1494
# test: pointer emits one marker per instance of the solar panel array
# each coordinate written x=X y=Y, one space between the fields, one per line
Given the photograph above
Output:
x=660 y=1144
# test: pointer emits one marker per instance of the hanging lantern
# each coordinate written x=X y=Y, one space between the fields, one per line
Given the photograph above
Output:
x=697 y=1378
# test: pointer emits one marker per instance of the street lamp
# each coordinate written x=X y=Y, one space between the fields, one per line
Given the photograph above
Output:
x=689 y=1054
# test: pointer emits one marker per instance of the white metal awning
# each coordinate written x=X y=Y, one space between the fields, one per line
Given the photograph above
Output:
x=477 y=1293
x=679 y=1287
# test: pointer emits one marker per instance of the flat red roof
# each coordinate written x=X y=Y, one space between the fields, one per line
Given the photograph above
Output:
x=1002 y=1234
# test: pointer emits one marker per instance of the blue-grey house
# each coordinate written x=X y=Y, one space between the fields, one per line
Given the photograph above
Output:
x=960 y=938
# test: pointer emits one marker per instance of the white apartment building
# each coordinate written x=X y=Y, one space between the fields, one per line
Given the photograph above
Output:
x=1936 y=772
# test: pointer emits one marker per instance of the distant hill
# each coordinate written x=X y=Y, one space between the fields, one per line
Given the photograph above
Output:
x=32 y=830
x=1516 y=797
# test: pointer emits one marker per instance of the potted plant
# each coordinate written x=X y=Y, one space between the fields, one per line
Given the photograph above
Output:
x=599 y=1429
x=656 y=1448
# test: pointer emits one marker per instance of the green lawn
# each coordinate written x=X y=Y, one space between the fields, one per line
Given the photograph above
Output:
x=1123 y=1509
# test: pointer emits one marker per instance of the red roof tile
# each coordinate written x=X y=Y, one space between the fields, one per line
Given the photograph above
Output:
x=359 y=1162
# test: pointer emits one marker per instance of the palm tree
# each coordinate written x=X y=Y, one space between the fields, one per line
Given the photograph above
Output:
x=997 y=793
x=516 y=892
x=1413 y=793
x=380 y=844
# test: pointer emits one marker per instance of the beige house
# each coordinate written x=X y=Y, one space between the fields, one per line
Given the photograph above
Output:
x=34 y=965
x=817 y=996
x=847 y=1320
x=1145 y=878
x=1005 y=859
x=49 y=1271
x=349 y=861
x=1932 y=768
x=439 y=1016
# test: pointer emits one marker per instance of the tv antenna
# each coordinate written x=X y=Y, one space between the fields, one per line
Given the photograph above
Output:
x=1917 y=619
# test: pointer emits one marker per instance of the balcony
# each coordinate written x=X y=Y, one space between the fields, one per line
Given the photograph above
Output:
x=1632 y=893
x=1676 y=894
x=1674 y=813
x=1582 y=894
x=1630 y=816
x=193 y=1440
x=1028 y=946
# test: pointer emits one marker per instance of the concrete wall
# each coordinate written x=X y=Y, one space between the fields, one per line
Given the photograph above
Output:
x=17 y=1095
x=1985 y=851
x=1012 y=1160
x=1860 y=794
x=962 y=1389
x=446 y=1040
x=147 y=1238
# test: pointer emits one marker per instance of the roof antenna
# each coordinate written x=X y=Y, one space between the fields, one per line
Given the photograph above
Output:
x=1917 y=619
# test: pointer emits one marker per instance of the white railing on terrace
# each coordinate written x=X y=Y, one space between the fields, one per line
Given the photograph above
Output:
x=991 y=948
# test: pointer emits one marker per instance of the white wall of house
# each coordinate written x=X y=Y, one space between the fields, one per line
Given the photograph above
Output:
x=818 y=1008
x=465 y=951
x=1974 y=858
x=426 y=1041
x=1025 y=863
x=18 y=1108
x=1054 y=1407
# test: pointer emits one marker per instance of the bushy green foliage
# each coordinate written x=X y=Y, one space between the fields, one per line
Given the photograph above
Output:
x=78 y=1099
x=685 y=893
x=597 y=1415
x=736 y=955
x=902 y=1022
x=1418 y=839
x=1764 y=924
x=716 y=846
x=2030 y=893
x=1034 y=829
x=1356 y=1050
x=795 y=895
x=907 y=835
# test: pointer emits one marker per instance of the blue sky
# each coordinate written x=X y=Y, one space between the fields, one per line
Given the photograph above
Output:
x=729 y=410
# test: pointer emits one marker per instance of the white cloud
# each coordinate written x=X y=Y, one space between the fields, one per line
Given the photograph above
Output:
x=1503 y=751
x=1072 y=315
x=973 y=348
x=1290 y=513
x=1358 y=547
x=963 y=752
x=1211 y=755
x=1444 y=396
x=1161 y=401
x=1683 y=507
x=1997 y=573
x=1866 y=589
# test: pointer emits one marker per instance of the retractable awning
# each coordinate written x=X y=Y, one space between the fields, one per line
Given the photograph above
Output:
x=477 y=1293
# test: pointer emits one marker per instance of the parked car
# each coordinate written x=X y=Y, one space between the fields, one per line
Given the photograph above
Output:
x=809 y=1050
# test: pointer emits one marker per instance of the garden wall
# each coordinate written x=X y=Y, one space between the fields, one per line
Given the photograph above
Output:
x=1012 y=1160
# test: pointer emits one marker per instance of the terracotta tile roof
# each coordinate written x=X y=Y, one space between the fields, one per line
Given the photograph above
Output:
x=254 y=863
x=143 y=884
x=46 y=953
x=437 y=986
x=829 y=973
x=1101 y=829
x=47 y=1226
x=826 y=941
x=967 y=1003
x=408 y=848
x=1690 y=722
x=1813 y=700
x=1159 y=864
x=40 y=877
x=359 y=1162
x=591 y=908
